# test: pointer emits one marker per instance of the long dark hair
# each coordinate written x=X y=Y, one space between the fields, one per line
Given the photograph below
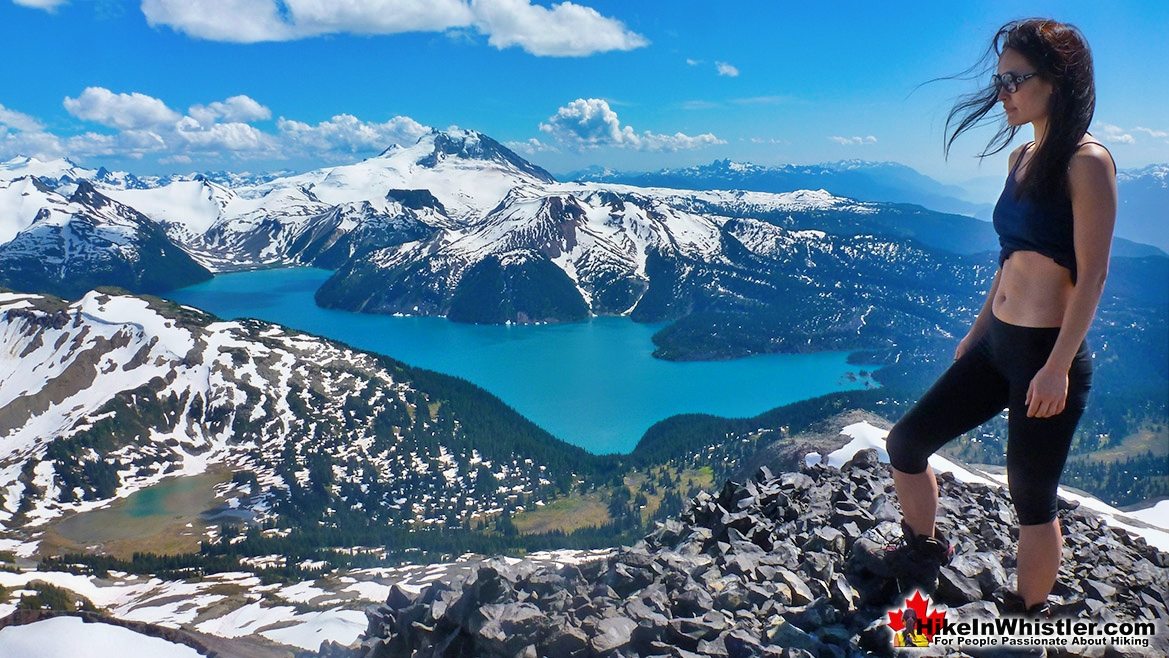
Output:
x=1061 y=55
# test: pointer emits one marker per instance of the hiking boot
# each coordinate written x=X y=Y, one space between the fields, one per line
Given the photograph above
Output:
x=916 y=560
x=1010 y=603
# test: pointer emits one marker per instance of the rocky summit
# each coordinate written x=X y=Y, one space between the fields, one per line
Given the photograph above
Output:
x=787 y=565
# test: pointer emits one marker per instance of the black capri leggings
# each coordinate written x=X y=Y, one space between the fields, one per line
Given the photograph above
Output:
x=991 y=376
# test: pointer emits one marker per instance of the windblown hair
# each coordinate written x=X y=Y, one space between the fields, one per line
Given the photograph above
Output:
x=1060 y=54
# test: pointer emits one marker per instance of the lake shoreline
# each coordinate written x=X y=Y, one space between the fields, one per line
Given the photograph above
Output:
x=595 y=384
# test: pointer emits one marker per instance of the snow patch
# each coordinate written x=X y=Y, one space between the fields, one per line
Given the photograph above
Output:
x=1152 y=524
x=69 y=637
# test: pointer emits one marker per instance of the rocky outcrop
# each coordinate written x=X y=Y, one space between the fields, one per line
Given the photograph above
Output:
x=788 y=565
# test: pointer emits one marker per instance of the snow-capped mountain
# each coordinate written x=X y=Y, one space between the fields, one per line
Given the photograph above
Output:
x=62 y=171
x=466 y=171
x=51 y=172
x=69 y=244
x=458 y=225
x=857 y=179
x=446 y=179
x=564 y=251
x=1143 y=210
x=234 y=179
x=1141 y=215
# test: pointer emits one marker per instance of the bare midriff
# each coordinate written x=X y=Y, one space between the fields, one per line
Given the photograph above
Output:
x=1033 y=291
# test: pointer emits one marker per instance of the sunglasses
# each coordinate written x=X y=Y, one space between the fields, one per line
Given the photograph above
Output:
x=1010 y=80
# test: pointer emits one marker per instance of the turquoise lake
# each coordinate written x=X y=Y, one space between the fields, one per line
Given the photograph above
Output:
x=593 y=384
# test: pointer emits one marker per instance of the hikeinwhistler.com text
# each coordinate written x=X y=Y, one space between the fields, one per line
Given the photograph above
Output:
x=1021 y=632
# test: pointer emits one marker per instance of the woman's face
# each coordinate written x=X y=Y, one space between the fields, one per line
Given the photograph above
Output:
x=1032 y=96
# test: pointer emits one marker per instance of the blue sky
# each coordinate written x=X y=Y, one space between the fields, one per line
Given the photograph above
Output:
x=158 y=86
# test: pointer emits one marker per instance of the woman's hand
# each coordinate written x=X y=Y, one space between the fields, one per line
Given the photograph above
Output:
x=1048 y=393
x=964 y=346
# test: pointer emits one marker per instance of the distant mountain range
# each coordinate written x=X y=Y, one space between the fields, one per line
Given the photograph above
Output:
x=62 y=171
x=1143 y=215
x=857 y=179
x=458 y=225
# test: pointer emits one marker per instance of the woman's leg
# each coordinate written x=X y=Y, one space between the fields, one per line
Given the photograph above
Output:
x=918 y=495
x=1036 y=452
x=1037 y=449
x=970 y=392
x=1040 y=550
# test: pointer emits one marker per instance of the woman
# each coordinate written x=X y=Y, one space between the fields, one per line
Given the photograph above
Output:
x=1025 y=352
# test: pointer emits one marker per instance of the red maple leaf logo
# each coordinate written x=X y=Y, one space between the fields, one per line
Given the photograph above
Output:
x=929 y=621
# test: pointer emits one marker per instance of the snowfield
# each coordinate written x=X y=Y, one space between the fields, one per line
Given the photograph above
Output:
x=69 y=637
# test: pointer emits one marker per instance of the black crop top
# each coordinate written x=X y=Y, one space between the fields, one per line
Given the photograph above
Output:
x=1023 y=225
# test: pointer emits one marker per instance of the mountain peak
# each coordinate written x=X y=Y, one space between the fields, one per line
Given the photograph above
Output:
x=474 y=145
x=24 y=165
x=87 y=194
x=437 y=146
x=727 y=164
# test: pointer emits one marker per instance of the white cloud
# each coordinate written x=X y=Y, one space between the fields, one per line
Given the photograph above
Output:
x=376 y=16
x=250 y=21
x=237 y=108
x=677 y=141
x=347 y=134
x=21 y=134
x=145 y=125
x=727 y=69
x=693 y=62
x=37 y=144
x=235 y=137
x=851 y=141
x=18 y=120
x=1152 y=133
x=47 y=5
x=130 y=111
x=140 y=142
x=45 y=145
x=1115 y=134
x=531 y=147
x=564 y=30
x=238 y=21
x=590 y=123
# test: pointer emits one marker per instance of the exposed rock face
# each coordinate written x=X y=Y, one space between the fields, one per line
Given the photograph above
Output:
x=788 y=565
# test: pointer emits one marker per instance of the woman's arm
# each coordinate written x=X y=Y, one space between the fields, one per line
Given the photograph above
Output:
x=1092 y=180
